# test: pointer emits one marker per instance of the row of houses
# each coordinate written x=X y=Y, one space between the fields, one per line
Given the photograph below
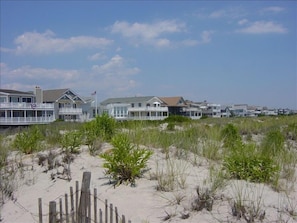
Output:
x=46 y=106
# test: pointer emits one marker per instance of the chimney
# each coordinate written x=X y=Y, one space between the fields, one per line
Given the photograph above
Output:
x=38 y=94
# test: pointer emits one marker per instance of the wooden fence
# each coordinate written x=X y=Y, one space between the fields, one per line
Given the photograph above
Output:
x=80 y=209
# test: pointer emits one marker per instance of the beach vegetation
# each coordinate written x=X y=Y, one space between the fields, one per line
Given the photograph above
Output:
x=126 y=161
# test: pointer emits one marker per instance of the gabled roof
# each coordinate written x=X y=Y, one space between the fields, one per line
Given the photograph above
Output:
x=15 y=92
x=174 y=101
x=126 y=100
x=57 y=94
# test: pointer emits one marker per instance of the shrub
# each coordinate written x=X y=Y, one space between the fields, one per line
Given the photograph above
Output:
x=125 y=162
x=28 y=141
x=71 y=141
x=177 y=118
x=105 y=126
x=247 y=164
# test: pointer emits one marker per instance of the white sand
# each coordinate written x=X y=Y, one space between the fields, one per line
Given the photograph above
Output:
x=143 y=203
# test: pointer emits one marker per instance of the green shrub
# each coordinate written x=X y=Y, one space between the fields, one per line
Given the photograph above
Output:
x=105 y=126
x=230 y=136
x=177 y=118
x=125 y=162
x=246 y=163
x=28 y=141
x=71 y=141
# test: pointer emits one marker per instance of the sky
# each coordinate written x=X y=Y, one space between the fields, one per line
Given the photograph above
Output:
x=225 y=52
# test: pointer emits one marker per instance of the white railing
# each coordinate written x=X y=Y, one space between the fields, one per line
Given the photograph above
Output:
x=14 y=105
x=153 y=109
x=147 y=118
x=70 y=111
x=26 y=120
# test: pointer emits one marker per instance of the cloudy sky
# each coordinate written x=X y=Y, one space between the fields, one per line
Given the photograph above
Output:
x=221 y=51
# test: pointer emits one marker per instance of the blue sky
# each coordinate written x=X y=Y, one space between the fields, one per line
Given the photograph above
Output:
x=224 y=52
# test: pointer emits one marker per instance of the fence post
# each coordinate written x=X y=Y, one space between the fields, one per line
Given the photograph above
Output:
x=52 y=212
x=66 y=208
x=106 y=211
x=76 y=200
x=61 y=210
x=111 y=213
x=85 y=187
x=72 y=204
x=95 y=205
x=39 y=209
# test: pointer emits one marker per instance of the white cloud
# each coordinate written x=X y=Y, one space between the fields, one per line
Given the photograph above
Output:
x=243 y=21
x=145 y=33
x=96 y=56
x=273 y=9
x=26 y=77
x=115 y=66
x=262 y=27
x=232 y=12
x=45 y=43
x=115 y=76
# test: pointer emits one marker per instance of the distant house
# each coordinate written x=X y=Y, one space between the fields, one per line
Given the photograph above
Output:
x=176 y=105
x=239 y=110
x=210 y=109
x=24 y=108
x=68 y=104
x=134 y=108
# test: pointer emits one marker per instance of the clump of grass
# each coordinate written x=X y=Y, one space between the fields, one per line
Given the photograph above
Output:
x=247 y=202
x=172 y=176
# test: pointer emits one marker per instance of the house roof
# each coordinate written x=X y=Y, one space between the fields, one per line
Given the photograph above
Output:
x=126 y=100
x=57 y=94
x=177 y=101
x=15 y=92
x=53 y=95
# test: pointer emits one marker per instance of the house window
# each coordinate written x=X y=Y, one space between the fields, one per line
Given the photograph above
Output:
x=139 y=104
x=148 y=105
x=132 y=105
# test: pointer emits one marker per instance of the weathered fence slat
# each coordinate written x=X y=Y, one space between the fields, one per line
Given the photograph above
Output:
x=106 y=211
x=76 y=200
x=82 y=215
x=52 y=212
x=95 y=205
x=40 y=209
x=100 y=216
x=72 y=205
x=66 y=208
x=61 y=209
x=111 y=213
x=116 y=214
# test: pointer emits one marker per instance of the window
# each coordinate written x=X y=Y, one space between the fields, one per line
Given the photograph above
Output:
x=139 y=104
x=132 y=105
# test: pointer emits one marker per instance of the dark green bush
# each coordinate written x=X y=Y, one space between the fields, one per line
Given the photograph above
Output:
x=125 y=162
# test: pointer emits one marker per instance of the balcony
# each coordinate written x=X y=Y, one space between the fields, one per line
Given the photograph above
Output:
x=26 y=106
x=148 y=109
x=70 y=111
x=26 y=120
